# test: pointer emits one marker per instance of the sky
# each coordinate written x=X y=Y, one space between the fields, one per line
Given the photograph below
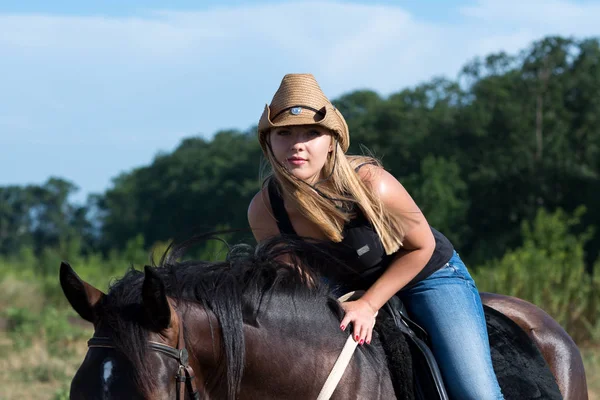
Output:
x=90 y=90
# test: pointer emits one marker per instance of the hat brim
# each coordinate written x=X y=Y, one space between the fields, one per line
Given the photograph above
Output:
x=327 y=117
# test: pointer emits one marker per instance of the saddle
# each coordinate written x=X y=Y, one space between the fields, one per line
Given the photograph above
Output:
x=426 y=377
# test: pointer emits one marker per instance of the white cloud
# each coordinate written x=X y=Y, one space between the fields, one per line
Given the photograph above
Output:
x=510 y=25
x=345 y=45
x=169 y=74
x=549 y=14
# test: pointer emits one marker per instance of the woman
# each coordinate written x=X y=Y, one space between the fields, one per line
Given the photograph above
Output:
x=316 y=191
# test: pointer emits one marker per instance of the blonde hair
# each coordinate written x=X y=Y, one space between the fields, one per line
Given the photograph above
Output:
x=342 y=185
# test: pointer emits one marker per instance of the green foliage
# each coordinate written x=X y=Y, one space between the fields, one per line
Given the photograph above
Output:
x=52 y=325
x=45 y=373
x=441 y=194
x=40 y=216
x=21 y=325
x=193 y=190
x=549 y=271
x=216 y=248
x=62 y=393
x=591 y=361
x=31 y=282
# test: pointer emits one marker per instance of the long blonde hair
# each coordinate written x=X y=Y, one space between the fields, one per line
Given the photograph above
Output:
x=321 y=203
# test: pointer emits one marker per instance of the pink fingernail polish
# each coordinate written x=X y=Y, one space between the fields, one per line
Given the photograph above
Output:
x=343 y=327
x=356 y=337
x=361 y=342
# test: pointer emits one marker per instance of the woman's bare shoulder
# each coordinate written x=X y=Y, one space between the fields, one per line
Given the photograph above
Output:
x=260 y=216
x=387 y=187
x=371 y=174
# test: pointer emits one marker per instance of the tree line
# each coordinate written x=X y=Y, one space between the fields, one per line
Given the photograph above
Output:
x=512 y=134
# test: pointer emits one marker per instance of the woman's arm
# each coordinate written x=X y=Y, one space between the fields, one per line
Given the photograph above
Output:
x=260 y=217
x=264 y=226
x=418 y=246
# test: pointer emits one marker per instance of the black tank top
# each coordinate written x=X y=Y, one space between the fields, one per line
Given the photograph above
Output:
x=362 y=247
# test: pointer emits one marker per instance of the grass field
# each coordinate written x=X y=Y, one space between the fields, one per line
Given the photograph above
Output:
x=591 y=358
x=38 y=373
x=34 y=372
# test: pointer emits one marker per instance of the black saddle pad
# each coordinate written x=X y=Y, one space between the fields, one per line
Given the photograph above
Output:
x=520 y=367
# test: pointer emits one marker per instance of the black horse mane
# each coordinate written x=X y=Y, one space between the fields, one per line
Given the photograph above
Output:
x=234 y=290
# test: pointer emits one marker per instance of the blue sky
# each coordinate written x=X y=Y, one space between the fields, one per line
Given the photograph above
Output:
x=92 y=89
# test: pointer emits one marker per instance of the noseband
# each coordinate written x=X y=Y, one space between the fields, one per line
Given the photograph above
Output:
x=185 y=373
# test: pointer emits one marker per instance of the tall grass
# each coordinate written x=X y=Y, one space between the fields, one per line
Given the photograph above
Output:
x=42 y=340
x=31 y=282
x=549 y=271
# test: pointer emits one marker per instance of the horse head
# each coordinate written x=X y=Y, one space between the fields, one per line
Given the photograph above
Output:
x=138 y=350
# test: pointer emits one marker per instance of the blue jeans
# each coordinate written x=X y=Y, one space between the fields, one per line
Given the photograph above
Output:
x=448 y=306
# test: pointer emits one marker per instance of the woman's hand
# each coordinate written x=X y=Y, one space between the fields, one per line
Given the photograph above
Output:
x=362 y=316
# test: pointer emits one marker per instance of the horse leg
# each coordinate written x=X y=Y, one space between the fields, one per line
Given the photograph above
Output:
x=557 y=347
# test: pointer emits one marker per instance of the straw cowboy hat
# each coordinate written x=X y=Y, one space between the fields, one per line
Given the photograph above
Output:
x=300 y=101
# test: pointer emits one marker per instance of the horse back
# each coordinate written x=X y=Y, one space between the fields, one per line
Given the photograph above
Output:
x=557 y=348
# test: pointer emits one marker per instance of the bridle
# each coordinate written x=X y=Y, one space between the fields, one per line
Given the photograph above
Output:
x=185 y=373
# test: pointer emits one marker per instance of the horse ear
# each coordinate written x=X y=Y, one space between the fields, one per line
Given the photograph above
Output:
x=154 y=297
x=82 y=296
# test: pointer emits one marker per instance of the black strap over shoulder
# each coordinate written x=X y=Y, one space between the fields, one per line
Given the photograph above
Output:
x=283 y=220
x=359 y=166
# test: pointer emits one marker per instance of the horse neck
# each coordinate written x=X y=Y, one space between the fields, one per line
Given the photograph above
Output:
x=289 y=354
x=202 y=341
x=296 y=349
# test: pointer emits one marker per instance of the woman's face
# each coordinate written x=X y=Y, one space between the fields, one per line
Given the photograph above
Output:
x=302 y=149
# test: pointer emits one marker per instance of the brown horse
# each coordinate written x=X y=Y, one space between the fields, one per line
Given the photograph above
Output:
x=557 y=347
x=252 y=327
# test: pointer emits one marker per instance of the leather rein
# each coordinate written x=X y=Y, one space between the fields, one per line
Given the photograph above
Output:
x=185 y=374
